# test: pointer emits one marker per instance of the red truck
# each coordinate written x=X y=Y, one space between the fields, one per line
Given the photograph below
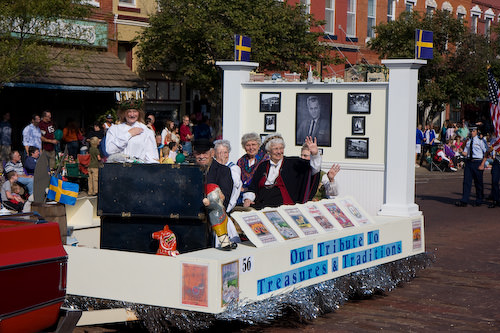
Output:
x=33 y=267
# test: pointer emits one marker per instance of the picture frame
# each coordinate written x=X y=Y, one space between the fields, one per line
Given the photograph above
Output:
x=358 y=125
x=270 y=102
x=356 y=148
x=359 y=103
x=270 y=123
x=313 y=116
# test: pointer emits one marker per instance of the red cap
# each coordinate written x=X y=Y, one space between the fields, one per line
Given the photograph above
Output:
x=210 y=187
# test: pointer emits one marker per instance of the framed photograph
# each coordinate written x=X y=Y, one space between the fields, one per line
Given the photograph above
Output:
x=270 y=102
x=320 y=151
x=358 y=125
x=313 y=117
x=356 y=147
x=359 y=103
x=270 y=123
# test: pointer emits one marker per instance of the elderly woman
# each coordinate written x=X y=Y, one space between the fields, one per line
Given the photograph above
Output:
x=284 y=180
x=222 y=150
x=132 y=137
x=255 y=154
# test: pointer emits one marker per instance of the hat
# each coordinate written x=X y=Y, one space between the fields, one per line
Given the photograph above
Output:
x=109 y=116
x=471 y=128
x=202 y=145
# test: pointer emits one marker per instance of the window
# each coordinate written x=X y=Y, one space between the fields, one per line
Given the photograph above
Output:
x=487 y=26
x=126 y=3
x=351 y=18
x=473 y=24
x=461 y=12
x=330 y=17
x=307 y=4
x=409 y=5
x=370 y=32
x=429 y=11
x=391 y=10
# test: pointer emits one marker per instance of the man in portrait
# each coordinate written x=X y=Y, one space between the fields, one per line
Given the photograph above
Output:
x=310 y=122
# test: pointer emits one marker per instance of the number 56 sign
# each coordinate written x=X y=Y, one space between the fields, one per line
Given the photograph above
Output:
x=246 y=264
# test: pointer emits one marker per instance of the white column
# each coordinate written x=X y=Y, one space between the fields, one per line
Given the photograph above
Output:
x=399 y=191
x=235 y=73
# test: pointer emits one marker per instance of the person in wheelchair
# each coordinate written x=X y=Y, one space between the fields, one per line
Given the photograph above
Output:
x=443 y=161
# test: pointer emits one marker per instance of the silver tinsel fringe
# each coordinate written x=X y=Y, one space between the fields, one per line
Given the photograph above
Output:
x=299 y=305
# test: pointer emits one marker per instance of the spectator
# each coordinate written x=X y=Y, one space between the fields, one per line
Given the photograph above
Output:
x=108 y=123
x=96 y=131
x=328 y=187
x=248 y=163
x=95 y=159
x=72 y=136
x=48 y=137
x=418 y=146
x=463 y=131
x=441 y=157
x=174 y=148
x=5 y=139
x=16 y=165
x=429 y=137
x=202 y=130
x=450 y=131
x=222 y=150
x=150 y=121
x=167 y=132
x=30 y=162
x=284 y=180
x=186 y=136
x=174 y=135
x=10 y=199
x=32 y=134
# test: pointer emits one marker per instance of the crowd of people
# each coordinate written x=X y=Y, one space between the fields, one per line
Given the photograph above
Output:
x=136 y=136
x=463 y=145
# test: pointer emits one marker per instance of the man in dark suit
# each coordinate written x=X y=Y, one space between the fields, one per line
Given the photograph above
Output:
x=314 y=127
x=214 y=172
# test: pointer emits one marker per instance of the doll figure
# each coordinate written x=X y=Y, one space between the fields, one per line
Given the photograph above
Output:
x=168 y=242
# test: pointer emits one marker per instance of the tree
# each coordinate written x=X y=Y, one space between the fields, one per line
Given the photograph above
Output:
x=458 y=70
x=188 y=37
x=24 y=51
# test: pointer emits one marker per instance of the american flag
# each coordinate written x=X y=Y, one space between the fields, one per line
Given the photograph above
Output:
x=494 y=95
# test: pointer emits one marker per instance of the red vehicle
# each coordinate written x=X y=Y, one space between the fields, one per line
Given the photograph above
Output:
x=32 y=275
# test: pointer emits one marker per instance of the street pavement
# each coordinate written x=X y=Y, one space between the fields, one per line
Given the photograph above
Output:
x=459 y=292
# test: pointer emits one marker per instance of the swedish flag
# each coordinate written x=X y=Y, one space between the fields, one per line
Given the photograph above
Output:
x=62 y=192
x=423 y=46
x=242 y=48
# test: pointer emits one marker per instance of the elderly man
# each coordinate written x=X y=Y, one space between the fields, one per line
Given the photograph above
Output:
x=32 y=134
x=284 y=180
x=215 y=172
x=314 y=126
x=15 y=165
x=222 y=150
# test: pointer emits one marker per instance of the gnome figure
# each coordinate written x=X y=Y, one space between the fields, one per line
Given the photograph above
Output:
x=217 y=216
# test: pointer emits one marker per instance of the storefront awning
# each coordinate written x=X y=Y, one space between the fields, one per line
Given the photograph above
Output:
x=91 y=71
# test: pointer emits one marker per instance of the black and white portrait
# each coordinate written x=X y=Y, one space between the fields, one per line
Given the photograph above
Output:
x=356 y=148
x=358 y=126
x=270 y=123
x=359 y=102
x=270 y=102
x=314 y=118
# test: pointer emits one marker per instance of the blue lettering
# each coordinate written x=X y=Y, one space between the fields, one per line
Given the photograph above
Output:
x=373 y=237
x=321 y=249
x=335 y=264
x=260 y=284
x=301 y=254
x=293 y=257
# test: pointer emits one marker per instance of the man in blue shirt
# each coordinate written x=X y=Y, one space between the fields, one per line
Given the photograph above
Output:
x=32 y=135
x=474 y=152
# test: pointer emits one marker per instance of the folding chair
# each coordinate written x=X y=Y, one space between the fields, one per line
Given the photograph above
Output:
x=434 y=164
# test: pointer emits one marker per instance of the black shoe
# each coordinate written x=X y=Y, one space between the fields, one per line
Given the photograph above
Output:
x=493 y=204
x=460 y=204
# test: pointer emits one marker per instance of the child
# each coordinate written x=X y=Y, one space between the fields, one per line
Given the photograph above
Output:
x=165 y=157
x=95 y=158
x=173 y=150
x=11 y=199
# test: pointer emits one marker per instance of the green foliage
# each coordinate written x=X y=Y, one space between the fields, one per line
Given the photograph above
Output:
x=25 y=54
x=188 y=37
x=458 y=70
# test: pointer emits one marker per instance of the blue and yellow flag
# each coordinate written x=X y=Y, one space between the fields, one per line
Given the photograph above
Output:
x=242 y=48
x=62 y=192
x=423 y=45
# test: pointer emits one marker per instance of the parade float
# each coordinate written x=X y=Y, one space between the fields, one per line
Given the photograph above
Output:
x=305 y=259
